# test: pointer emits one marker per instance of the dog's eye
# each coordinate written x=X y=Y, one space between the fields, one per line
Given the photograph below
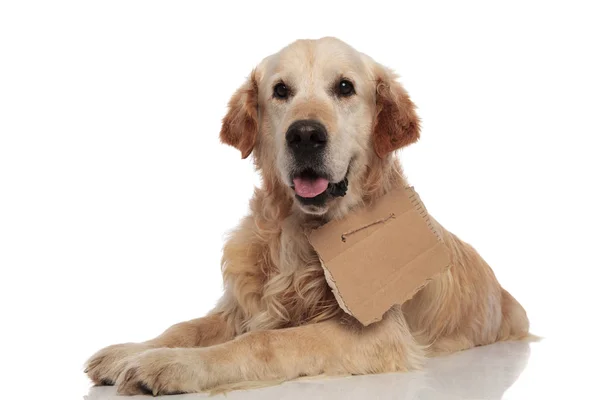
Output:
x=280 y=91
x=345 y=88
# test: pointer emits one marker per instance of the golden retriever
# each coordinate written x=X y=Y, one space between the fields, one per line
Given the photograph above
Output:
x=322 y=121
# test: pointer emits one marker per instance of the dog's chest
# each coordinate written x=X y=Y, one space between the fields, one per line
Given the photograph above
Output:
x=297 y=292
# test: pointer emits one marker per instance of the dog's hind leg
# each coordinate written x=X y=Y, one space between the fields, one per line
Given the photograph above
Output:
x=515 y=324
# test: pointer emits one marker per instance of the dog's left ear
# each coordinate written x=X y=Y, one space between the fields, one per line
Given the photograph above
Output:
x=396 y=122
x=240 y=124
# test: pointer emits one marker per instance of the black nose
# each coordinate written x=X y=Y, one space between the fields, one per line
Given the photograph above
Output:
x=306 y=136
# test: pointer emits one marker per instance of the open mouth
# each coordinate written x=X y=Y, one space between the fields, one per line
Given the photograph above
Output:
x=312 y=188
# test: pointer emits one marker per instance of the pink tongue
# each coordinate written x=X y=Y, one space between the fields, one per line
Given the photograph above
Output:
x=310 y=187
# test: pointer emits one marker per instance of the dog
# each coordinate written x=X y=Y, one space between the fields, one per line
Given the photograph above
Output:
x=321 y=120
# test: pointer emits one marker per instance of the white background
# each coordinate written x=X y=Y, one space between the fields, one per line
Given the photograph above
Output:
x=115 y=193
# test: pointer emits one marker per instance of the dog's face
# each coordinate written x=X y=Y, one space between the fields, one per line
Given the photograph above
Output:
x=316 y=114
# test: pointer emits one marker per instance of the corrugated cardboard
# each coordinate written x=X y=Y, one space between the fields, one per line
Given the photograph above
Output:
x=380 y=256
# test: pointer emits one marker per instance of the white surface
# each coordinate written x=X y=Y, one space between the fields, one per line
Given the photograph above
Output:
x=115 y=192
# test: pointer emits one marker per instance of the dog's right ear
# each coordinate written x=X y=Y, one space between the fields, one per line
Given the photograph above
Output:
x=240 y=125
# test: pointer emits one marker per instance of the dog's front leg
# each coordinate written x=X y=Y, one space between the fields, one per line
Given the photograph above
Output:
x=106 y=365
x=328 y=347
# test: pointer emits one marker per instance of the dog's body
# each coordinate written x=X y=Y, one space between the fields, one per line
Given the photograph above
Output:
x=315 y=114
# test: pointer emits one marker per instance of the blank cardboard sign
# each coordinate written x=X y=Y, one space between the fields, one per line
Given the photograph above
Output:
x=380 y=256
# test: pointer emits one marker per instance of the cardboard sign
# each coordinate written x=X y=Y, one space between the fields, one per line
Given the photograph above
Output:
x=380 y=256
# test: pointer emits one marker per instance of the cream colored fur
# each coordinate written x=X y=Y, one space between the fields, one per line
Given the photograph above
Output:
x=277 y=318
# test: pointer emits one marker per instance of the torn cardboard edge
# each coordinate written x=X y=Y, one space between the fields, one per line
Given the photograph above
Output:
x=380 y=256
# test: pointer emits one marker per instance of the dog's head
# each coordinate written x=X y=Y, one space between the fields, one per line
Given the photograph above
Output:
x=318 y=114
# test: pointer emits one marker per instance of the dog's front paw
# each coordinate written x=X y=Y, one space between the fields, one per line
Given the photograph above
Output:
x=104 y=367
x=162 y=372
